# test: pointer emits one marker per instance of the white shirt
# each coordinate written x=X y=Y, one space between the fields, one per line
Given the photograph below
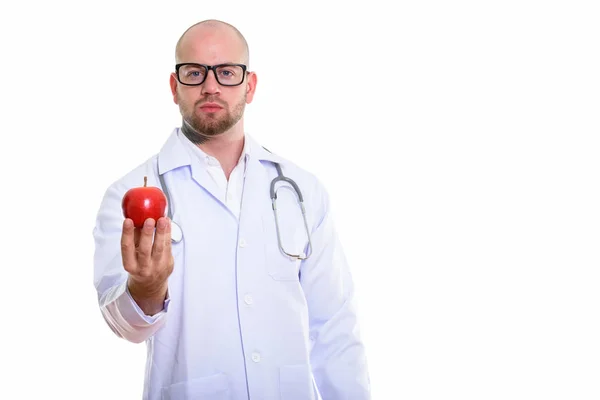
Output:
x=242 y=320
x=231 y=190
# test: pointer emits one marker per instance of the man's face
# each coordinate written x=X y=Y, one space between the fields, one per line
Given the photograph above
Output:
x=211 y=113
x=212 y=108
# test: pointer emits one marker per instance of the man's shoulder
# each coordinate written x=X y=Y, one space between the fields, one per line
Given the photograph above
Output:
x=265 y=153
x=307 y=180
x=135 y=176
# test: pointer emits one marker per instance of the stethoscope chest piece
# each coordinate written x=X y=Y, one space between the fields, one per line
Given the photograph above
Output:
x=176 y=232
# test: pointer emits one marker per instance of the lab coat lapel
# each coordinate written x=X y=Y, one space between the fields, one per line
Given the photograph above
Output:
x=174 y=155
x=201 y=176
x=256 y=198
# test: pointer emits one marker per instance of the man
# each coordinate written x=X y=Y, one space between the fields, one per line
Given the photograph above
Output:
x=250 y=304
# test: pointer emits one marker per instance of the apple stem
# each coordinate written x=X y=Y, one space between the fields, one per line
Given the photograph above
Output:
x=145 y=181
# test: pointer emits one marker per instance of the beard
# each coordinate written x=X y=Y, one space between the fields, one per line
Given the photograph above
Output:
x=200 y=128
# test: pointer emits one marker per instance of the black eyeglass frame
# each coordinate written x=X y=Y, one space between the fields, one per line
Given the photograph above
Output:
x=214 y=69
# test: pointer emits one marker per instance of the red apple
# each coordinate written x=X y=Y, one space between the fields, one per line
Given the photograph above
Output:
x=141 y=203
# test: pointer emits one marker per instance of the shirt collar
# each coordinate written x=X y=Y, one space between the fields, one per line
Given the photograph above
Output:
x=174 y=153
x=206 y=159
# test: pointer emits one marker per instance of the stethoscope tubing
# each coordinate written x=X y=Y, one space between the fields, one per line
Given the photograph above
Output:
x=177 y=233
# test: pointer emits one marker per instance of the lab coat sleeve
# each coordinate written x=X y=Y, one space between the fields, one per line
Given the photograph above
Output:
x=118 y=308
x=338 y=356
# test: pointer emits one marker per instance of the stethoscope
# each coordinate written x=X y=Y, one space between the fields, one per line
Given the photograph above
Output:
x=177 y=233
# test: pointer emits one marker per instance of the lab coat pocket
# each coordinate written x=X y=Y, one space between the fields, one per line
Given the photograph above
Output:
x=283 y=268
x=214 y=387
x=295 y=382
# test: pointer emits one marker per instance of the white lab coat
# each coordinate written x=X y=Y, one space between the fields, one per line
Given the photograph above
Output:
x=242 y=320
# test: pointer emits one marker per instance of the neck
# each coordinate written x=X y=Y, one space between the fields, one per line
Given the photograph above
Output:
x=226 y=147
x=195 y=137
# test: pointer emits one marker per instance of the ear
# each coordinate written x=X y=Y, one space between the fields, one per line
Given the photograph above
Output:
x=250 y=87
x=173 y=83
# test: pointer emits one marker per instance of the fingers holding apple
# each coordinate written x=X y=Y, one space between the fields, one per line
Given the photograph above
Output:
x=128 y=246
x=146 y=239
x=162 y=239
x=144 y=245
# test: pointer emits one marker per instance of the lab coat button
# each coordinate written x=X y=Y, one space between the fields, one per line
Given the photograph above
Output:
x=256 y=357
x=248 y=299
x=243 y=243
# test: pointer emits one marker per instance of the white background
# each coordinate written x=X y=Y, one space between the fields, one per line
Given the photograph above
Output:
x=458 y=140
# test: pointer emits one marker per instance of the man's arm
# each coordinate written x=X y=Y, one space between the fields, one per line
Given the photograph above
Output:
x=338 y=356
x=126 y=319
x=116 y=292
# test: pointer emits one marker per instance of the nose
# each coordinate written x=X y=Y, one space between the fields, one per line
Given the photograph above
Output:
x=210 y=85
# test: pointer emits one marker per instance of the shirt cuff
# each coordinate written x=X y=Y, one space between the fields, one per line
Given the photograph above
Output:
x=133 y=312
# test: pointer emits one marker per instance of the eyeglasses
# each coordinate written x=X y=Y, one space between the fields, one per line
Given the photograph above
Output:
x=192 y=74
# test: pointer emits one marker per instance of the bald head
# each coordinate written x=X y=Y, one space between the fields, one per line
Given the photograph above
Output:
x=208 y=32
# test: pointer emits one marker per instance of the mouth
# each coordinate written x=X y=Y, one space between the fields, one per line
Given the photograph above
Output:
x=210 y=107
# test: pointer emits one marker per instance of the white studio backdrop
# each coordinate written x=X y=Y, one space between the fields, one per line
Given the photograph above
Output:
x=458 y=141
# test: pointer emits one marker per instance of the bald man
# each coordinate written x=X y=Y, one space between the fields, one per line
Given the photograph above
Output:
x=236 y=295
